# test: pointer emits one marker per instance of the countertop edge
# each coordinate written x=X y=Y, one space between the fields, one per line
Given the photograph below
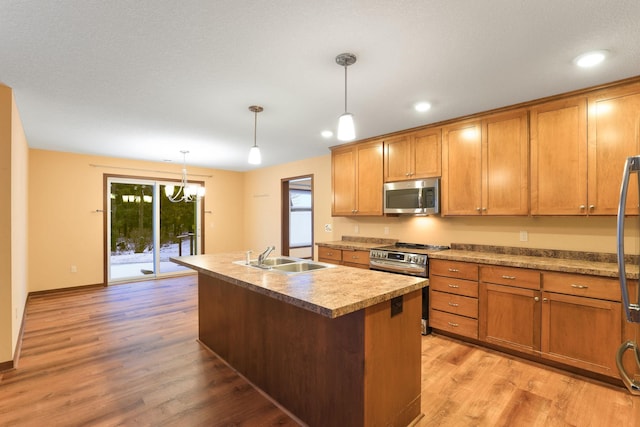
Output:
x=321 y=310
x=602 y=269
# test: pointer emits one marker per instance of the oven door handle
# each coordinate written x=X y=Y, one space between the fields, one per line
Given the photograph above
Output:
x=395 y=268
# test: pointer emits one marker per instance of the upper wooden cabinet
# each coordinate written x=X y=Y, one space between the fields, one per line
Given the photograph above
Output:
x=559 y=157
x=614 y=135
x=485 y=166
x=356 y=179
x=413 y=155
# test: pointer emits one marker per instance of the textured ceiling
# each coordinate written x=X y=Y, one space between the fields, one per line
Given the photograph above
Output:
x=144 y=79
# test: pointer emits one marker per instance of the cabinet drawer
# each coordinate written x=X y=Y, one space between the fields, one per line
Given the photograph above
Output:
x=456 y=304
x=510 y=276
x=454 y=286
x=329 y=253
x=460 y=270
x=356 y=257
x=581 y=285
x=453 y=323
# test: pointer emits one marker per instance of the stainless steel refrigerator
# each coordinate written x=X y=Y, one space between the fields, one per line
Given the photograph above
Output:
x=631 y=308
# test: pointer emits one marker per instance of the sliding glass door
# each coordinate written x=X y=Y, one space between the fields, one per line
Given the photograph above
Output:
x=145 y=229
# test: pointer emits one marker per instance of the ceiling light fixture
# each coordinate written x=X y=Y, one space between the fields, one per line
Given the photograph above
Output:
x=421 y=107
x=590 y=59
x=186 y=192
x=346 y=129
x=254 y=154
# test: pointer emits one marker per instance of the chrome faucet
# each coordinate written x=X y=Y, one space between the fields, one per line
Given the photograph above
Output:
x=265 y=254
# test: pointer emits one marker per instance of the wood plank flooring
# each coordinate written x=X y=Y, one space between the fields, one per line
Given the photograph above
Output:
x=128 y=355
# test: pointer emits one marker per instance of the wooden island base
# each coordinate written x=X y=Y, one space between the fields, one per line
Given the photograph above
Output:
x=360 y=369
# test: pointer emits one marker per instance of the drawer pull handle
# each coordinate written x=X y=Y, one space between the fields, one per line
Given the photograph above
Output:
x=509 y=277
x=573 y=285
x=453 y=304
x=454 y=286
x=454 y=270
x=455 y=325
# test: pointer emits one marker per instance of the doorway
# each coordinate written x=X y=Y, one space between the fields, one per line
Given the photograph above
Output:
x=144 y=229
x=297 y=216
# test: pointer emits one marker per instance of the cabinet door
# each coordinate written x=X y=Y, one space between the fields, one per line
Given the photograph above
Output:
x=505 y=171
x=559 y=157
x=369 y=179
x=397 y=158
x=461 y=169
x=581 y=332
x=343 y=181
x=614 y=135
x=510 y=317
x=427 y=153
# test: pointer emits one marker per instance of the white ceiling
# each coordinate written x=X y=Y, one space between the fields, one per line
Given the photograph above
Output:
x=144 y=79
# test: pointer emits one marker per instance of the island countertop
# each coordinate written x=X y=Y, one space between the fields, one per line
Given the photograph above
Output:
x=331 y=292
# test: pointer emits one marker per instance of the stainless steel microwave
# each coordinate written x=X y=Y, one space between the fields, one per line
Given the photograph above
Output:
x=419 y=197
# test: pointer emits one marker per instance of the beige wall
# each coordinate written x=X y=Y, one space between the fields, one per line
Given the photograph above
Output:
x=262 y=216
x=65 y=191
x=13 y=223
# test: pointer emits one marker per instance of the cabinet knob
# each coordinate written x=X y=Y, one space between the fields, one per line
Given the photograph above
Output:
x=407 y=174
x=592 y=207
x=484 y=209
x=582 y=207
x=478 y=209
x=536 y=299
x=544 y=300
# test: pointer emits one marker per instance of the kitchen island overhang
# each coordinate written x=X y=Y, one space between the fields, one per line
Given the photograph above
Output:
x=339 y=346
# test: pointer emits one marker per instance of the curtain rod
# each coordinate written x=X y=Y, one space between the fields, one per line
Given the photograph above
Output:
x=147 y=170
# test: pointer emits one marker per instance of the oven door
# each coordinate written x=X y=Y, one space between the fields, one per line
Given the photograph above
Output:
x=398 y=267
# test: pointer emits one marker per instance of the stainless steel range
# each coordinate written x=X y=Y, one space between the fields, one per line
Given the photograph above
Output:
x=409 y=259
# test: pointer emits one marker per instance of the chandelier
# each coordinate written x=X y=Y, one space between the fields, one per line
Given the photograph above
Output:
x=186 y=192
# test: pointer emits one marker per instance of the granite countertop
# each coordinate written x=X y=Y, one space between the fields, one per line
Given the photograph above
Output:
x=357 y=243
x=331 y=292
x=596 y=264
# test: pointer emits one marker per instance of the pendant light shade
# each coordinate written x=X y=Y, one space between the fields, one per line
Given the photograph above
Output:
x=255 y=158
x=346 y=128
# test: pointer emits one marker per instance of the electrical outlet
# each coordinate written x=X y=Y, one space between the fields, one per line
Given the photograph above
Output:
x=328 y=228
x=524 y=236
x=74 y=269
x=356 y=229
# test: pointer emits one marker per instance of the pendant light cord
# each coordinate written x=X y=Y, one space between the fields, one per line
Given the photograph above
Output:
x=345 y=89
x=255 y=128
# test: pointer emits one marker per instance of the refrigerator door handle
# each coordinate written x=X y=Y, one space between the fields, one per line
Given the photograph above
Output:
x=632 y=311
x=632 y=385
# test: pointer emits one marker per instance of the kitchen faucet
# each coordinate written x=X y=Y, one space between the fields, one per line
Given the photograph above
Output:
x=265 y=254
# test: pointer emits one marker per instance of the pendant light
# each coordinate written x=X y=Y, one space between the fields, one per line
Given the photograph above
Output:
x=254 y=154
x=186 y=192
x=346 y=129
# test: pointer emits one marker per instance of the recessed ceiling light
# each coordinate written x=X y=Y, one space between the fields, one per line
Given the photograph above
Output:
x=590 y=59
x=421 y=107
x=326 y=134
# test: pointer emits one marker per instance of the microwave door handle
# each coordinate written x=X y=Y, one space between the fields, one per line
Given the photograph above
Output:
x=632 y=311
x=420 y=201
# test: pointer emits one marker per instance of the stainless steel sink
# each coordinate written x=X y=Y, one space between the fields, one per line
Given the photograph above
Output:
x=275 y=261
x=299 y=267
x=286 y=265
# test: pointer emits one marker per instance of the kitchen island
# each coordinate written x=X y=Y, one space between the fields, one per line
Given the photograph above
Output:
x=336 y=346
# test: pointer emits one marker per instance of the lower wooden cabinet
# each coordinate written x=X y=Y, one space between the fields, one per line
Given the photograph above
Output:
x=573 y=319
x=582 y=322
x=351 y=258
x=453 y=297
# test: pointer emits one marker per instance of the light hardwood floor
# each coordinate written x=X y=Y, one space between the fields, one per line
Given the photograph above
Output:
x=128 y=355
